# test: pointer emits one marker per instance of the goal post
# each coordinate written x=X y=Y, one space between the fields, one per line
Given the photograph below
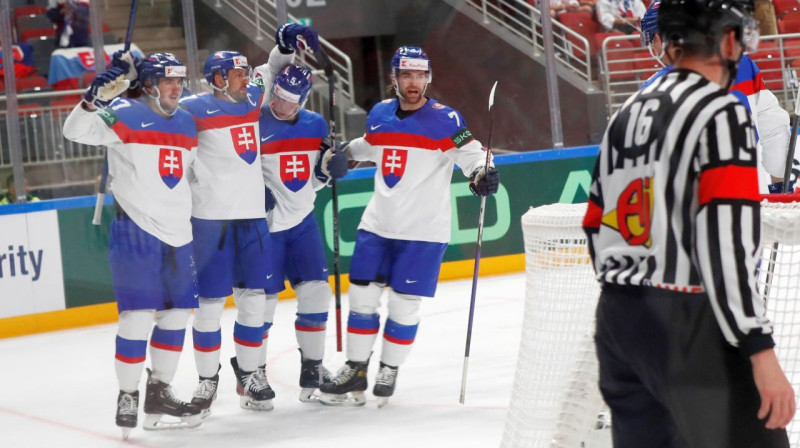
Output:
x=555 y=401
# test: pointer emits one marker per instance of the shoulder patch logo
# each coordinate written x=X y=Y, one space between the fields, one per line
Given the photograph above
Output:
x=109 y=116
x=438 y=106
x=259 y=81
x=462 y=137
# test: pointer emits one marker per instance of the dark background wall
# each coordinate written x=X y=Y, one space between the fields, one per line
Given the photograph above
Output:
x=466 y=59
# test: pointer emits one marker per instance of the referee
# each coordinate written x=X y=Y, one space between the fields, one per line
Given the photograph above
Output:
x=684 y=346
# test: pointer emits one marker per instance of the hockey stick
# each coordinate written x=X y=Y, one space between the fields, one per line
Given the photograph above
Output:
x=101 y=191
x=327 y=67
x=477 y=251
x=787 y=174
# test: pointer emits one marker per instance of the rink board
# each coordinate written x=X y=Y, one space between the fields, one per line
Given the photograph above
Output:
x=74 y=289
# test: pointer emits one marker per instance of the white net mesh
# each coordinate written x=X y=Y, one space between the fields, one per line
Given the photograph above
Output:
x=779 y=285
x=555 y=401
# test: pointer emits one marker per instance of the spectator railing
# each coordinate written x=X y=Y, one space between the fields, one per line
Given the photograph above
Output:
x=524 y=21
x=262 y=15
x=624 y=66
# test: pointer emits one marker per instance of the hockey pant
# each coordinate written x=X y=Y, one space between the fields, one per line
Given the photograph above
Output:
x=364 y=321
x=166 y=344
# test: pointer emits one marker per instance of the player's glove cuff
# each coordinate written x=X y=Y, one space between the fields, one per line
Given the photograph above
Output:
x=777 y=187
x=484 y=182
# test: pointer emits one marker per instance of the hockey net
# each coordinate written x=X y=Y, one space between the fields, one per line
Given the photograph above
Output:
x=555 y=401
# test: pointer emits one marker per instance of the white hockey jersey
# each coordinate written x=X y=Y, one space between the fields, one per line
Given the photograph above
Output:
x=150 y=159
x=228 y=182
x=289 y=153
x=415 y=158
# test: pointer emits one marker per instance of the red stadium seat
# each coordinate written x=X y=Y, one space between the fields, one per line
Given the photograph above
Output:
x=599 y=38
x=621 y=54
x=789 y=26
x=38 y=33
x=790 y=15
x=645 y=65
x=582 y=24
x=28 y=10
x=784 y=6
x=31 y=83
x=768 y=60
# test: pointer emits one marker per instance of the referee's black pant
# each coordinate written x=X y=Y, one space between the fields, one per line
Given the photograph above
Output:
x=670 y=377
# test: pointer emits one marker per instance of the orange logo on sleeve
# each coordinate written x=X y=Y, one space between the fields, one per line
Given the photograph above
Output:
x=634 y=213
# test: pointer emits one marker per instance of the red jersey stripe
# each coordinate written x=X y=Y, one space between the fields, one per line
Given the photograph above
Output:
x=291 y=145
x=409 y=140
x=225 y=120
x=128 y=135
x=728 y=182
x=593 y=217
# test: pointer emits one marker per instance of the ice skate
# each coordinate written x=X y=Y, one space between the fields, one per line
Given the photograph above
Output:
x=159 y=401
x=253 y=389
x=384 y=384
x=312 y=375
x=127 y=410
x=206 y=393
x=347 y=387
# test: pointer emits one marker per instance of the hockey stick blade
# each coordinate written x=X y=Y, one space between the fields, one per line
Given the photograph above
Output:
x=477 y=254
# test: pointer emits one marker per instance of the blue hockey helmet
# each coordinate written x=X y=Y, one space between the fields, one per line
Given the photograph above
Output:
x=411 y=58
x=160 y=65
x=222 y=62
x=289 y=91
x=650 y=23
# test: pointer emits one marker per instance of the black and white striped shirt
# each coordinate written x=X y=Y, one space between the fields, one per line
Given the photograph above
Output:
x=674 y=201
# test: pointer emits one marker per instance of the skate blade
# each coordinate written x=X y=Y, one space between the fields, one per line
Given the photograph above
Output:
x=248 y=403
x=309 y=395
x=205 y=413
x=157 y=422
x=126 y=432
x=382 y=401
x=350 y=399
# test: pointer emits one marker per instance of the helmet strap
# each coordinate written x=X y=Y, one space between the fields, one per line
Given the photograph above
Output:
x=224 y=90
x=157 y=100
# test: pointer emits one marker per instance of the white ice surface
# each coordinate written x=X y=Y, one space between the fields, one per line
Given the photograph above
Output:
x=59 y=389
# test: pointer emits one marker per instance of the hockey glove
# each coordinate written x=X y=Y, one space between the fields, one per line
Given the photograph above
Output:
x=269 y=199
x=105 y=87
x=484 y=182
x=127 y=62
x=777 y=187
x=334 y=163
x=292 y=36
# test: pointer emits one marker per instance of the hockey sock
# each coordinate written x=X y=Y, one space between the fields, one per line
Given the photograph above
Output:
x=362 y=329
x=166 y=343
x=131 y=347
x=397 y=340
x=310 y=331
x=206 y=336
x=248 y=332
x=401 y=327
x=313 y=301
x=363 y=322
x=269 y=315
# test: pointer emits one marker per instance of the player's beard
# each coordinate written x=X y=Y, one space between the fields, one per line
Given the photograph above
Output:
x=414 y=97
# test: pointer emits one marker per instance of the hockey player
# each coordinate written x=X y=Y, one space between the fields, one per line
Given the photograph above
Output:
x=415 y=142
x=151 y=148
x=771 y=120
x=684 y=346
x=229 y=221
x=291 y=146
